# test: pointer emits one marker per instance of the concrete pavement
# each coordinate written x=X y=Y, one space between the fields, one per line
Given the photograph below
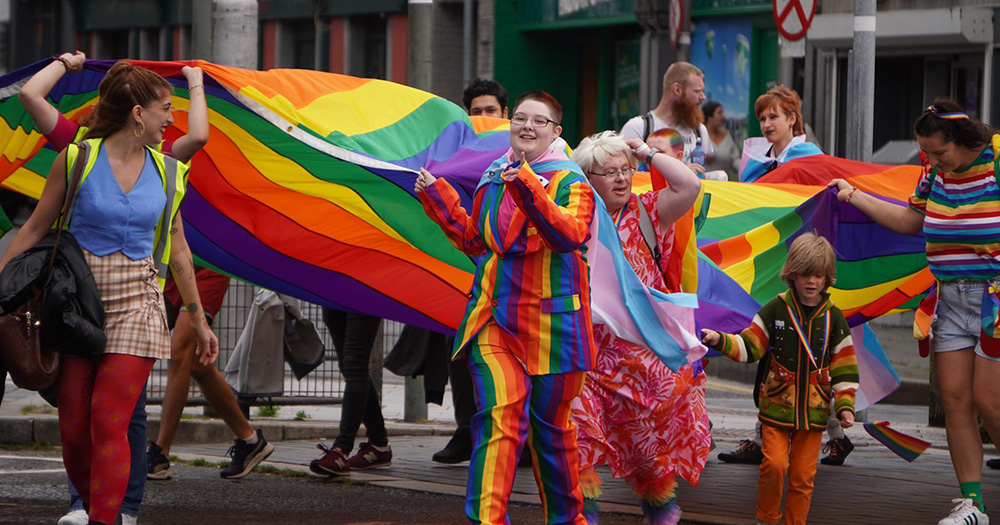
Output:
x=874 y=487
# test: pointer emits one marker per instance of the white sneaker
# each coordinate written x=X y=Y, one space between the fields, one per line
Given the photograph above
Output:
x=75 y=517
x=965 y=513
x=128 y=519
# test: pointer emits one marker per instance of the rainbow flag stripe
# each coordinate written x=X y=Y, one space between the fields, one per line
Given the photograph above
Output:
x=904 y=446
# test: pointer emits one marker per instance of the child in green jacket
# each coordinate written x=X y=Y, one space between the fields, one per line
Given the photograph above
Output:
x=811 y=365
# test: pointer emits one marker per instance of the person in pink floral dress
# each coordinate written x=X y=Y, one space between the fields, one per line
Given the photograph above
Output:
x=645 y=422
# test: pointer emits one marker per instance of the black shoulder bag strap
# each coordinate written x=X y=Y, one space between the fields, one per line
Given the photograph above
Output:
x=71 y=189
x=649 y=235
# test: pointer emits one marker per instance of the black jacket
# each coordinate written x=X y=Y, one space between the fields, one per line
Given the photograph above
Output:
x=72 y=311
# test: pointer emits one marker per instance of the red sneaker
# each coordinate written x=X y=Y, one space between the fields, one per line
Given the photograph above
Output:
x=333 y=463
x=370 y=457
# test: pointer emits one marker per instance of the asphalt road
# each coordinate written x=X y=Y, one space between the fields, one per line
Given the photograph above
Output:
x=33 y=491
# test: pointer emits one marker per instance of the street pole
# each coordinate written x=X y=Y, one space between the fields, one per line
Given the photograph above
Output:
x=225 y=32
x=468 y=42
x=684 y=39
x=863 y=69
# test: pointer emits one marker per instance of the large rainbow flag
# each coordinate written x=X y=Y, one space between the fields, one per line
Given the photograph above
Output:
x=306 y=188
x=745 y=237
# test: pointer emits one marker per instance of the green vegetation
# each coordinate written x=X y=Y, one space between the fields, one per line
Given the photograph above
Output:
x=267 y=411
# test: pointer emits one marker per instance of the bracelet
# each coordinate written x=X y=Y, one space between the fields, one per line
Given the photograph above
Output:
x=649 y=157
x=194 y=86
x=66 y=64
x=851 y=194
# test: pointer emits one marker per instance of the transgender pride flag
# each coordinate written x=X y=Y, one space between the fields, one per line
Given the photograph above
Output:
x=662 y=322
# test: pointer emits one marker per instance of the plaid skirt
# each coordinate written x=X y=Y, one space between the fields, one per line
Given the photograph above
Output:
x=135 y=321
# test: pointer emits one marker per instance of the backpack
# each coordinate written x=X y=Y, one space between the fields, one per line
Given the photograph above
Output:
x=647 y=125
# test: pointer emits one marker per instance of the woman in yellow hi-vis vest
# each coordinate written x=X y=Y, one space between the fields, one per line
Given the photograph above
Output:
x=127 y=221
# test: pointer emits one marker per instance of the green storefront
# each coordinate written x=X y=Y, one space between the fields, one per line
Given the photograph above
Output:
x=586 y=53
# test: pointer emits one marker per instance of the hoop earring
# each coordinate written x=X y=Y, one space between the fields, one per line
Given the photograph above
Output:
x=139 y=130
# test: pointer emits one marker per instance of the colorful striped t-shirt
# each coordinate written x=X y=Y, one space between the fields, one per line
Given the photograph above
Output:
x=962 y=220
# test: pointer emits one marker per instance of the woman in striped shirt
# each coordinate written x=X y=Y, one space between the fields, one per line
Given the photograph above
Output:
x=957 y=207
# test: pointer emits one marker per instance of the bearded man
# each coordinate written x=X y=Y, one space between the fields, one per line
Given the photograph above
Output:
x=679 y=108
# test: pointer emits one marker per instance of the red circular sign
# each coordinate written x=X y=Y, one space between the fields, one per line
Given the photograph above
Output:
x=676 y=21
x=793 y=17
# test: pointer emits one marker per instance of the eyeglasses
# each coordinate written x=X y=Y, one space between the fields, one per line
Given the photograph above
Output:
x=539 y=121
x=613 y=174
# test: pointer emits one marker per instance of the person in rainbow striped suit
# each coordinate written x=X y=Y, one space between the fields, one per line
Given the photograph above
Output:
x=526 y=334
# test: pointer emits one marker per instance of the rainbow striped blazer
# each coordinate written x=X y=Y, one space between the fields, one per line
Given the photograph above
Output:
x=535 y=281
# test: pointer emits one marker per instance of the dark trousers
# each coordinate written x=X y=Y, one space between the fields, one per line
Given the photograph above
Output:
x=462 y=395
x=353 y=337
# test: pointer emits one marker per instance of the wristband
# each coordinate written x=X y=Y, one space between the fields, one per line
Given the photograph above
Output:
x=642 y=149
x=66 y=64
x=649 y=157
x=851 y=194
x=194 y=86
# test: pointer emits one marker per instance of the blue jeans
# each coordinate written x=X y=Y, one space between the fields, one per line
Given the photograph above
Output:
x=137 y=469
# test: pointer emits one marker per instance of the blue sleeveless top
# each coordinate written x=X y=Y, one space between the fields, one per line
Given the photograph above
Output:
x=108 y=220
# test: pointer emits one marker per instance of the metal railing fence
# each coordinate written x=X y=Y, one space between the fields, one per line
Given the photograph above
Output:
x=322 y=386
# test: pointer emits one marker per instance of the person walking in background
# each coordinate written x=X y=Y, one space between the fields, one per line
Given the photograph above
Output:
x=526 y=334
x=811 y=364
x=354 y=336
x=727 y=153
x=680 y=109
x=128 y=199
x=955 y=205
x=779 y=112
x=647 y=423
x=250 y=447
x=485 y=98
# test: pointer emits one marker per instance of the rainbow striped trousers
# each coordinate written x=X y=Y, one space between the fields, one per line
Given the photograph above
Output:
x=514 y=408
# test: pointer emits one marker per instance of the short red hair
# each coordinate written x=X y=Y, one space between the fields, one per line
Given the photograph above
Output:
x=544 y=98
x=786 y=100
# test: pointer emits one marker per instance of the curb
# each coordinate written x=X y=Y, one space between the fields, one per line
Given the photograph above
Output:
x=44 y=429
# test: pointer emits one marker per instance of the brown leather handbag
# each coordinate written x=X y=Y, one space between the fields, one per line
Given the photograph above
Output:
x=31 y=365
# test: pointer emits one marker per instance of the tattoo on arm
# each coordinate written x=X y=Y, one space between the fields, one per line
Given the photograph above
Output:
x=192 y=308
x=178 y=269
x=173 y=230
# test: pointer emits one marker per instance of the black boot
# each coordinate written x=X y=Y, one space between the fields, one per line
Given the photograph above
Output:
x=838 y=450
x=458 y=449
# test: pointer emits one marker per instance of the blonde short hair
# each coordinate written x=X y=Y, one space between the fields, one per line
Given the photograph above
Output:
x=810 y=254
x=595 y=150
x=679 y=72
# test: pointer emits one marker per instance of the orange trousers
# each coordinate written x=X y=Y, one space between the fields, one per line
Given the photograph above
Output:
x=792 y=452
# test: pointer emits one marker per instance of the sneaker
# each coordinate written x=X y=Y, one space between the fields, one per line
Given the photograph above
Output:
x=333 y=463
x=245 y=457
x=75 y=517
x=157 y=464
x=458 y=449
x=128 y=519
x=370 y=457
x=965 y=513
x=837 y=450
x=993 y=463
x=747 y=452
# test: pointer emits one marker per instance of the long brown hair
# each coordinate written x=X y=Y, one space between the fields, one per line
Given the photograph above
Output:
x=124 y=87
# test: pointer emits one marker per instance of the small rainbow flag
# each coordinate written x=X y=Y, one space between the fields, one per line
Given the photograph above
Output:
x=906 y=447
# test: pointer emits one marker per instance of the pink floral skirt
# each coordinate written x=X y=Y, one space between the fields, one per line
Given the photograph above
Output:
x=638 y=417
